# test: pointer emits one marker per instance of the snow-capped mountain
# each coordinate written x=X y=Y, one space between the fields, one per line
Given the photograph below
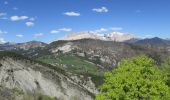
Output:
x=119 y=36
x=82 y=35
x=114 y=36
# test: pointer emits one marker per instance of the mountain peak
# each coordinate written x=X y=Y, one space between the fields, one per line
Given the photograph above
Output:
x=153 y=41
x=156 y=38
x=119 y=36
x=114 y=36
x=81 y=35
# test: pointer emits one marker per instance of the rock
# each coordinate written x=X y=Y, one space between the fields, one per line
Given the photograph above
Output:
x=35 y=77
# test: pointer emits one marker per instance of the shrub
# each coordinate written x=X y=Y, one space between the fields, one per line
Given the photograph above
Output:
x=137 y=78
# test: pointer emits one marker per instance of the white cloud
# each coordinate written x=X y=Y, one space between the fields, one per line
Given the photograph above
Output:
x=6 y=2
x=101 y=30
x=19 y=35
x=65 y=29
x=54 y=31
x=60 y=30
x=104 y=30
x=3 y=32
x=100 y=10
x=18 y=18
x=3 y=14
x=72 y=13
x=15 y=8
x=29 y=24
x=147 y=36
x=38 y=35
x=2 y=41
x=116 y=28
x=32 y=19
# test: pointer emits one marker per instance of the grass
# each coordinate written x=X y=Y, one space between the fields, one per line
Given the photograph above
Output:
x=73 y=63
x=15 y=56
x=76 y=64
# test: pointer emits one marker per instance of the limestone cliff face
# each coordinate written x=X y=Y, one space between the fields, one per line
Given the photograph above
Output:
x=81 y=35
x=113 y=36
x=33 y=77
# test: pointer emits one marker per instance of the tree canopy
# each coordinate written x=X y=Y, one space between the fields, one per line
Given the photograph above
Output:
x=137 y=78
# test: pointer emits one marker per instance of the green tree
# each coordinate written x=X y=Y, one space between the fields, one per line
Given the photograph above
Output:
x=137 y=78
x=165 y=66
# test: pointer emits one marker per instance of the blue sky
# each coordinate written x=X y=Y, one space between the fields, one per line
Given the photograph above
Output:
x=48 y=20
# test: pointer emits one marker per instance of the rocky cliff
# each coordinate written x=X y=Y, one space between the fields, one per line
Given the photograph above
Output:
x=31 y=77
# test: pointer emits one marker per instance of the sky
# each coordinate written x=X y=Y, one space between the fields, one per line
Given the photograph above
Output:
x=49 y=20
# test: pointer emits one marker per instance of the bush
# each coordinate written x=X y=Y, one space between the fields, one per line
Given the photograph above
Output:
x=137 y=78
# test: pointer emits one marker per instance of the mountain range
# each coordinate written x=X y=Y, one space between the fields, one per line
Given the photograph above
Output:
x=71 y=68
x=115 y=36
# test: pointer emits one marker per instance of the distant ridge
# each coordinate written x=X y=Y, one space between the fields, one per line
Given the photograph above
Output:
x=153 y=41
x=25 y=45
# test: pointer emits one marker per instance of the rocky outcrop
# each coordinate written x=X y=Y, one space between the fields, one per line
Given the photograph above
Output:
x=33 y=77
x=81 y=35
x=64 y=49
x=105 y=53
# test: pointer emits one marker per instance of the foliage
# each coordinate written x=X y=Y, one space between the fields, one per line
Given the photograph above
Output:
x=4 y=54
x=15 y=56
x=165 y=66
x=74 y=63
x=137 y=78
